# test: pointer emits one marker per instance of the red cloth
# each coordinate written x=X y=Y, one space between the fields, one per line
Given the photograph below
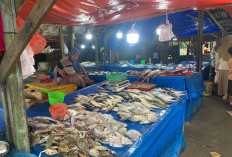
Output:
x=1 y=35
x=100 y=12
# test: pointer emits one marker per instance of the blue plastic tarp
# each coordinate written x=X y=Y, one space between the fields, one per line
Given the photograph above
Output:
x=162 y=138
x=183 y=26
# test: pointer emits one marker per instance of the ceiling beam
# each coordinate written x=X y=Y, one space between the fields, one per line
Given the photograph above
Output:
x=224 y=19
x=192 y=17
x=217 y=11
x=215 y=20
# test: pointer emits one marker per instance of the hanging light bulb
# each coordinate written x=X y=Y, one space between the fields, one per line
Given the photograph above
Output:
x=119 y=34
x=82 y=46
x=88 y=35
x=93 y=47
x=132 y=35
x=158 y=31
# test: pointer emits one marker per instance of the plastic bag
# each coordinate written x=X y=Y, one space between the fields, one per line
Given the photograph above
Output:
x=65 y=49
x=166 y=33
x=27 y=62
x=37 y=43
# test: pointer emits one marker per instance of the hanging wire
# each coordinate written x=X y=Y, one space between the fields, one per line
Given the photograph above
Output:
x=131 y=11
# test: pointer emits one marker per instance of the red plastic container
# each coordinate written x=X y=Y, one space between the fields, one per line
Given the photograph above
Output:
x=58 y=110
x=133 y=86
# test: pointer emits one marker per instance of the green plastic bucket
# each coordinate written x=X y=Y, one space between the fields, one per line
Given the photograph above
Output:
x=55 y=97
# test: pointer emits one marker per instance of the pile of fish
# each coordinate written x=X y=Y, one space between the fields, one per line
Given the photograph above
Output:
x=102 y=126
x=139 y=65
x=136 y=112
x=148 y=73
x=88 y=64
x=100 y=100
x=68 y=141
x=98 y=73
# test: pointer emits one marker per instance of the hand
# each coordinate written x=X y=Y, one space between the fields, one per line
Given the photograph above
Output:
x=90 y=81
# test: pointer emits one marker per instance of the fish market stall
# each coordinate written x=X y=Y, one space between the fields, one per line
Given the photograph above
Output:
x=161 y=136
x=193 y=84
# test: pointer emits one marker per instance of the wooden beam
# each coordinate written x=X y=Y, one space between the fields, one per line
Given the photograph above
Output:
x=215 y=20
x=11 y=90
x=107 y=36
x=199 y=41
x=217 y=11
x=19 y=4
x=224 y=19
x=195 y=19
x=61 y=41
x=21 y=40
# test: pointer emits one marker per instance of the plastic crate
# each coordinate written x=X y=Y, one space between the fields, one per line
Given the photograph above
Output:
x=133 y=86
x=115 y=77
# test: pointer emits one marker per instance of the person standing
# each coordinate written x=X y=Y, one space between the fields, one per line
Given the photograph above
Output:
x=221 y=65
x=229 y=90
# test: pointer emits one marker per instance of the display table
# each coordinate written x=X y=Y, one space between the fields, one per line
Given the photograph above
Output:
x=192 y=84
x=66 y=89
x=162 y=138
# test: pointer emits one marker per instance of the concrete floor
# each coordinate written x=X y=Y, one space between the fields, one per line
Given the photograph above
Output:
x=209 y=131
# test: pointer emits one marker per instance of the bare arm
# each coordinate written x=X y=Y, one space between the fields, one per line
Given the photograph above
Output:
x=83 y=71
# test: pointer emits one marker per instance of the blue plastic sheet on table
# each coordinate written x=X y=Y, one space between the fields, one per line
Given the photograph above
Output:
x=162 y=138
x=195 y=85
x=97 y=78
x=17 y=153
x=2 y=123
x=192 y=107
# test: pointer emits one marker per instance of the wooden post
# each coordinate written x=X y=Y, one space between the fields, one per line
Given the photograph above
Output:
x=199 y=41
x=21 y=40
x=96 y=53
x=10 y=76
x=61 y=41
x=72 y=37
x=12 y=94
x=107 y=36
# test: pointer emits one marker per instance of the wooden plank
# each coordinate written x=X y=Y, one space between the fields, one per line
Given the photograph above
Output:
x=21 y=40
x=195 y=19
x=96 y=54
x=107 y=36
x=61 y=41
x=16 y=104
x=199 y=41
x=10 y=29
x=19 y=4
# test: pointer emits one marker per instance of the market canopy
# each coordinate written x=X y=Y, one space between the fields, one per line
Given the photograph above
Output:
x=183 y=26
x=99 y=12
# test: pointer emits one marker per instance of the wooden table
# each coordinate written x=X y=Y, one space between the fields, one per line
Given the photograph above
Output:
x=66 y=89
